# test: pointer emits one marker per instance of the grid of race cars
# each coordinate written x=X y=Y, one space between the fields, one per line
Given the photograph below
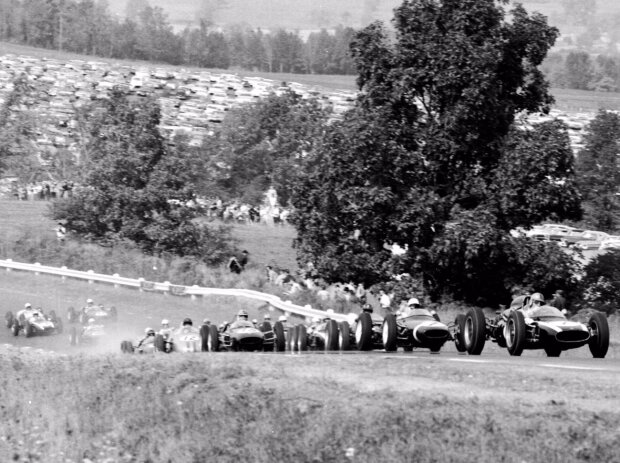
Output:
x=529 y=323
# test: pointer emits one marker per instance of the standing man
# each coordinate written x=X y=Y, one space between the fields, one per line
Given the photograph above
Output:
x=558 y=301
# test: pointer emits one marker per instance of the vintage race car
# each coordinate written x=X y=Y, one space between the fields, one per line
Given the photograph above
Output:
x=243 y=335
x=185 y=339
x=88 y=334
x=100 y=313
x=417 y=328
x=319 y=335
x=33 y=323
x=158 y=343
x=543 y=327
x=363 y=332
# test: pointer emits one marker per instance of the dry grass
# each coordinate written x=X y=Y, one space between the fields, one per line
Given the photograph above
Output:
x=263 y=408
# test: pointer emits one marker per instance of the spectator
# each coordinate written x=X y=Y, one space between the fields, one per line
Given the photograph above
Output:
x=61 y=231
x=272 y=275
x=234 y=266
x=243 y=260
x=558 y=301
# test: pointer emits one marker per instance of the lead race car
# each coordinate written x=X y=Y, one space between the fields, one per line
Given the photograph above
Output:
x=530 y=324
x=33 y=322
x=99 y=312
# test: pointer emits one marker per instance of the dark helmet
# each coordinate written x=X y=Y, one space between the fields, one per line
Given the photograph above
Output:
x=187 y=321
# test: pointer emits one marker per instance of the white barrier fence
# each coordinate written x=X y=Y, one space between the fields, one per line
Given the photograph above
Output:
x=167 y=287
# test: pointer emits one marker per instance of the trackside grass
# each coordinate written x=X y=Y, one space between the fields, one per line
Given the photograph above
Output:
x=276 y=408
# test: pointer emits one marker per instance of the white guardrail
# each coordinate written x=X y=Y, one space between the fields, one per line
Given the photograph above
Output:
x=167 y=287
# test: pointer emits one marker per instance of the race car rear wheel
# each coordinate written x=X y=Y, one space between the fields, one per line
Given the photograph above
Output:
x=459 y=338
x=599 y=338
x=28 y=329
x=213 y=342
x=344 y=336
x=363 y=332
x=331 y=335
x=280 y=338
x=9 y=319
x=474 y=333
x=514 y=332
x=302 y=338
x=389 y=333
x=159 y=343
x=126 y=347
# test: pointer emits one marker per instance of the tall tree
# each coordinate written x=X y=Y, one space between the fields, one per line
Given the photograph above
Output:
x=423 y=160
x=598 y=170
x=131 y=176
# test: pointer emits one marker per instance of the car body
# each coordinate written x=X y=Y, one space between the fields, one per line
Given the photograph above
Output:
x=185 y=339
x=244 y=335
x=33 y=323
x=100 y=313
x=415 y=328
x=525 y=327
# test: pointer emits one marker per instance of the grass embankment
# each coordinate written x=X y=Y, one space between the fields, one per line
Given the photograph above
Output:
x=265 y=408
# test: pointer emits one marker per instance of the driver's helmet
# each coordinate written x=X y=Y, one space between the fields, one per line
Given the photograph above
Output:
x=165 y=323
x=27 y=305
x=367 y=308
x=242 y=315
x=537 y=300
x=89 y=301
x=282 y=318
x=149 y=332
x=91 y=321
x=267 y=317
x=187 y=321
x=206 y=321
x=413 y=302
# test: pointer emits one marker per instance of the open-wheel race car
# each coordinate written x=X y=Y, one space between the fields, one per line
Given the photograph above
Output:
x=243 y=335
x=416 y=328
x=33 y=322
x=88 y=334
x=151 y=342
x=531 y=324
x=319 y=335
x=99 y=312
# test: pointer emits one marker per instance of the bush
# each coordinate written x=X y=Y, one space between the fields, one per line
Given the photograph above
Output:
x=600 y=284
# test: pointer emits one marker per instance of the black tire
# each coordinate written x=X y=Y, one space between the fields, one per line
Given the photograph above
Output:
x=9 y=317
x=72 y=315
x=73 y=336
x=363 y=332
x=58 y=325
x=126 y=347
x=389 y=333
x=302 y=338
x=204 y=338
x=28 y=329
x=459 y=338
x=331 y=335
x=474 y=333
x=292 y=339
x=599 y=340
x=269 y=343
x=344 y=336
x=515 y=333
x=159 y=343
x=213 y=343
x=279 y=337
x=552 y=350
x=15 y=328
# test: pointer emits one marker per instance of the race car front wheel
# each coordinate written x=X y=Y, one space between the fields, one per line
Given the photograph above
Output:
x=599 y=335
x=474 y=332
x=514 y=332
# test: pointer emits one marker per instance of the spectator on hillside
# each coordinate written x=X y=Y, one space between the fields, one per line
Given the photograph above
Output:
x=61 y=231
x=233 y=265
x=243 y=260
x=385 y=301
x=271 y=274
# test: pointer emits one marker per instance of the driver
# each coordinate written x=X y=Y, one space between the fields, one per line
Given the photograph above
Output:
x=165 y=329
x=242 y=319
x=149 y=337
x=537 y=300
x=90 y=305
x=412 y=304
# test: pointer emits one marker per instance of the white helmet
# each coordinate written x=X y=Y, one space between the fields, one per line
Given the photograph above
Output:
x=329 y=311
x=413 y=301
x=91 y=321
x=149 y=331
x=282 y=318
x=165 y=321
x=267 y=317
x=89 y=301
x=27 y=305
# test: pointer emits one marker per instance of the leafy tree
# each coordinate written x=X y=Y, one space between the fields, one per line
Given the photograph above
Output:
x=578 y=70
x=599 y=172
x=601 y=282
x=429 y=159
x=262 y=144
x=130 y=178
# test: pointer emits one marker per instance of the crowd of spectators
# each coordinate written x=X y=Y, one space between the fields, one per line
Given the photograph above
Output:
x=39 y=191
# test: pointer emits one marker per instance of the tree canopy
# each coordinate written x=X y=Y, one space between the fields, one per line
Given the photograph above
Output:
x=130 y=176
x=430 y=159
x=598 y=171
